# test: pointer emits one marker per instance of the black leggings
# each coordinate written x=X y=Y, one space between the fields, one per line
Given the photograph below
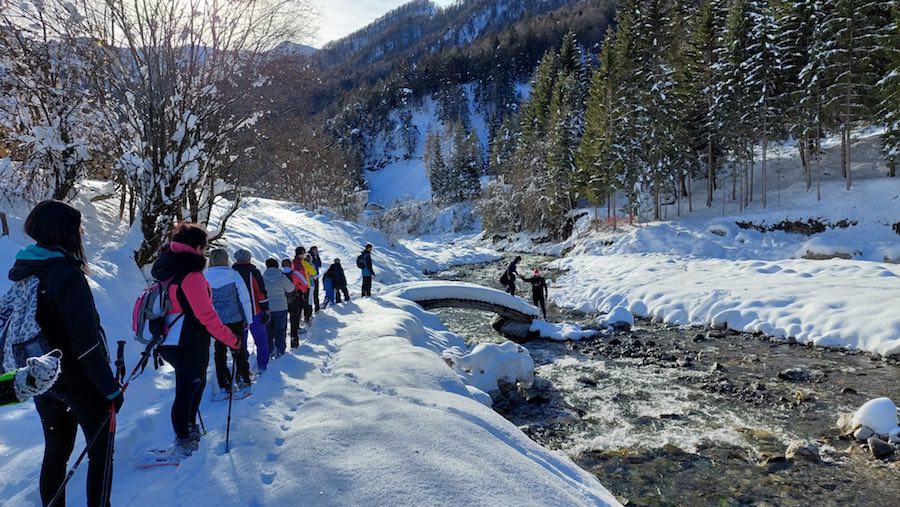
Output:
x=62 y=411
x=220 y=358
x=190 y=365
x=366 y=286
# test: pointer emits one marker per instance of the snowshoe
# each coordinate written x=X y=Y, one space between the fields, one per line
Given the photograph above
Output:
x=171 y=457
x=242 y=393
x=221 y=395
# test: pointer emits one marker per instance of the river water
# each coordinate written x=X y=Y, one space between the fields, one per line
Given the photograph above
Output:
x=695 y=417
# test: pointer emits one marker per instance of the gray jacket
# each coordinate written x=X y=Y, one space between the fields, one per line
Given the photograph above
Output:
x=278 y=286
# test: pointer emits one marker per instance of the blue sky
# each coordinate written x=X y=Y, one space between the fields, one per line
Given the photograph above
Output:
x=342 y=17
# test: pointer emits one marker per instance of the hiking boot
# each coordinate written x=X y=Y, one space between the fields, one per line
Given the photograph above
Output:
x=194 y=436
x=182 y=448
x=295 y=343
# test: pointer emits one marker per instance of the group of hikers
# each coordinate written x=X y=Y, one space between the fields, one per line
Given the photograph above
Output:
x=539 y=290
x=74 y=386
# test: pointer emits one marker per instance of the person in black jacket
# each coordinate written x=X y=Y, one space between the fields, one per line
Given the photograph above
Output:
x=511 y=274
x=86 y=390
x=338 y=279
x=539 y=290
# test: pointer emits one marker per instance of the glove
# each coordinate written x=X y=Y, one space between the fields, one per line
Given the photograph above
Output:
x=37 y=376
x=267 y=317
x=237 y=343
x=118 y=401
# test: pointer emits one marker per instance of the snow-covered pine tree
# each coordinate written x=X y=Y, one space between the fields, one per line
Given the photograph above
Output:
x=733 y=101
x=796 y=22
x=595 y=164
x=855 y=40
x=762 y=73
x=435 y=166
x=625 y=148
x=699 y=86
x=658 y=105
x=889 y=87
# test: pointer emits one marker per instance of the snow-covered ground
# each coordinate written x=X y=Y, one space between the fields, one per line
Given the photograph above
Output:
x=366 y=412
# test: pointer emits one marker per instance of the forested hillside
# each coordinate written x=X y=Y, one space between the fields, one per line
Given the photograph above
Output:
x=687 y=91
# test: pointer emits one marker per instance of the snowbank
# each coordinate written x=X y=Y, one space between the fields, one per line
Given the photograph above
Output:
x=561 y=332
x=617 y=318
x=836 y=303
x=880 y=415
x=435 y=290
x=489 y=364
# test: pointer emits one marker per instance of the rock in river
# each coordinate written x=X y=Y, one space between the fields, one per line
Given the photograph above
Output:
x=879 y=448
x=800 y=449
x=863 y=434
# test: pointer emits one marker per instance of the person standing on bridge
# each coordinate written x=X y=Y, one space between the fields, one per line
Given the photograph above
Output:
x=508 y=279
x=364 y=262
x=539 y=290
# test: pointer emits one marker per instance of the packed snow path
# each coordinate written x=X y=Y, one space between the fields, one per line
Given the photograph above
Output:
x=444 y=294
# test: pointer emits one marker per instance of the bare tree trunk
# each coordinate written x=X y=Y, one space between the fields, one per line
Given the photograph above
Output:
x=892 y=168
x=751 y=177
x=690 y=194
x=710 y=174
x=764 y=185
x=849 y=160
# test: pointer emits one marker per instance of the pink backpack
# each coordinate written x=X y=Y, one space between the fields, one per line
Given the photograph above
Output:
x=150 y=310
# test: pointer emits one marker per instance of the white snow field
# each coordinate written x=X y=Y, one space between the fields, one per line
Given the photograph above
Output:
x=366 y=412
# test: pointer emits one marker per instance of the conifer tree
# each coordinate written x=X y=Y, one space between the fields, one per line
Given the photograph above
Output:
x=762 y=74
x=436 y=167
x=853 y=63
x=889 y=88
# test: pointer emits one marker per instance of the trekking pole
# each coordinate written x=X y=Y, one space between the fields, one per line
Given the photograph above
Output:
x=120 y=361
x=110 y=418
x=200 y=417
x=230 y=400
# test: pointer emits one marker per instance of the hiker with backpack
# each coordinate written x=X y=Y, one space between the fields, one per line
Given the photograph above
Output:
x=279 y=287
x=295 y=306
x=305 y=269
x=539 y=290
x=508 y=278
x=364 y=263
x=231 y=299
x=65 y=317
x=35 y=378
x=259 y=298
x=335 y=275
x=316 y=261
x=191 y=322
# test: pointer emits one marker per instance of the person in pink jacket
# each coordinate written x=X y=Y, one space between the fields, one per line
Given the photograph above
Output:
x=192 y=320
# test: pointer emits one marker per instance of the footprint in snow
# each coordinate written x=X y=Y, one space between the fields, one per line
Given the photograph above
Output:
x=285 y=427
x=288 y=417
x=267 y=477
x=272 y=456
x=279 y=442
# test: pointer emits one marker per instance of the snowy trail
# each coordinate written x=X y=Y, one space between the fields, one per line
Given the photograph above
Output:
x=364 y=413
x=349 y=420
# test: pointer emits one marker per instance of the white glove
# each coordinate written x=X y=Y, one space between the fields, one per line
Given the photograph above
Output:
x=38 y=376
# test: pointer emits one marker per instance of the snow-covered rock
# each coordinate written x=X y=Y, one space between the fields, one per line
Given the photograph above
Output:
x=880 y=415
x=617 y=318
x=489 y=364
x=561 y=332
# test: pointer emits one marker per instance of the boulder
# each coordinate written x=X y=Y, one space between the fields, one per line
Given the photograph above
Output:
x=845 y=424
x=801 y=374
x=863 y=434
x=879 y=448
x=800 y=449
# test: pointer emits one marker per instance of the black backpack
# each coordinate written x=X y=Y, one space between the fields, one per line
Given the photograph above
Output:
x=361 y=261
